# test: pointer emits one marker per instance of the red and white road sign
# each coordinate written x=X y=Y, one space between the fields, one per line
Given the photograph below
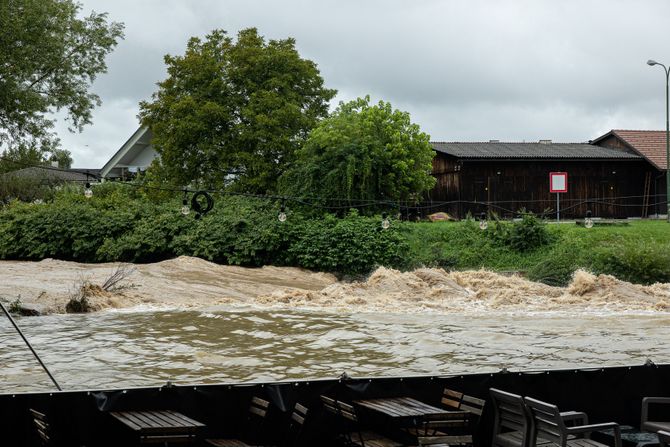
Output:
x=558 y=182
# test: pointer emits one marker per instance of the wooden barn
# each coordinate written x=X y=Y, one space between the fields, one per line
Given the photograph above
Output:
x=613 y=176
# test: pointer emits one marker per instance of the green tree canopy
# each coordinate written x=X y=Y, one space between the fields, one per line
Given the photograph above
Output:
x=233 y=111
x=363 y=151
x=49 y=57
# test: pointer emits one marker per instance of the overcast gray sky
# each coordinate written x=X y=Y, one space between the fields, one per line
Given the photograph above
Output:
x=466 y=70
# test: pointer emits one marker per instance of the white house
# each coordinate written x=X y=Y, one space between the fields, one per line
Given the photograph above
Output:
x=136 y=154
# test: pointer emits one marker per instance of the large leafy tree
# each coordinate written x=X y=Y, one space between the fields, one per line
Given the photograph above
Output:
x=233 y=112
x=363 y=152
x=49 y=56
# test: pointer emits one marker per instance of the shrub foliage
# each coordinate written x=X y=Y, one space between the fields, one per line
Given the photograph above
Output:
x=118 y=224
x=527 y=234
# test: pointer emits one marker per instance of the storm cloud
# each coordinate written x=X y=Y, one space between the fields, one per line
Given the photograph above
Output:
x=465 y=70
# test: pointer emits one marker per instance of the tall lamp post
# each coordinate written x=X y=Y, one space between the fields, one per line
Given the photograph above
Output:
x=667 y=135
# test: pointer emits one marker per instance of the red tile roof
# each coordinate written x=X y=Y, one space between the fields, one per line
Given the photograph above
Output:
x=649 y=143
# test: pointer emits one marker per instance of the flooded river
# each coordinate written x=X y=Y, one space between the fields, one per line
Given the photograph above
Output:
x=124 y=348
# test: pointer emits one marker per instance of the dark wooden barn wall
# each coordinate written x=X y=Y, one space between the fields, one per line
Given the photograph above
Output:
x=506 y=186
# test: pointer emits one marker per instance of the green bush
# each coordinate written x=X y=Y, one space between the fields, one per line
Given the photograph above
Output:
x=120 y=224
x=527 y=234
x=72 y=227
x=239 y=231
x=151 y=239
x=27 y=189
x=353 y=244
x=642 y=263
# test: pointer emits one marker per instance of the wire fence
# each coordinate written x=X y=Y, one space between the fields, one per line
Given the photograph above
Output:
x=611 y=207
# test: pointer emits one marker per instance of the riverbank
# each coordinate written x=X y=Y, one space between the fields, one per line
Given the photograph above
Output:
x=636 y=251
x=122 y=225
x=191 y=283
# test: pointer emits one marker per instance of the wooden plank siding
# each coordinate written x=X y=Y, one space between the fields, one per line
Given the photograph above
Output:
x=506 y=186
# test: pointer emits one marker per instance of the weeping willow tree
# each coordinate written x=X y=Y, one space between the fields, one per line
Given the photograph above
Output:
x=362 y=152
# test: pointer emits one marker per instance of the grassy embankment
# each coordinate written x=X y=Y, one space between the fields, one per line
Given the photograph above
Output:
x=638 y=252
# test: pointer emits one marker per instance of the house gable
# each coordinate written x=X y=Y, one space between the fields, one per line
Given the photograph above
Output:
x=650 y=144
x=137 y=152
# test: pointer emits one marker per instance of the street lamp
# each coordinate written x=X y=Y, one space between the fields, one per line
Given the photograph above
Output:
x=667 y=136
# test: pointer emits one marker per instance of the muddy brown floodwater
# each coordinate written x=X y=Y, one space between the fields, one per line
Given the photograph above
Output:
x=190 y=321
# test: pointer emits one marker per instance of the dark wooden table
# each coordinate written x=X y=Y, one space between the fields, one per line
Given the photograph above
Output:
x=405 y=407
x=416 y=419
x=160 y=425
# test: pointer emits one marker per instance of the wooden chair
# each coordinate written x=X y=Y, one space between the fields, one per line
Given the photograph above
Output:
x=444 y=441
x=455 y=400
x=435 y=429
x=653 y=426
x=258 y=410
x=349 y=427
x=512 y=420
x=452 y=399
x=663 y=438
x=432 y=425
x=43 y=427
x=549 y=425
x=296 y=425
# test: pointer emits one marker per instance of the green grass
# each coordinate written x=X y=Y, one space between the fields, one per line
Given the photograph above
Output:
x=635 y=252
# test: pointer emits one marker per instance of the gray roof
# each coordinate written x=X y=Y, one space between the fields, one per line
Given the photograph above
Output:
x=496 y=150
x=51 y=174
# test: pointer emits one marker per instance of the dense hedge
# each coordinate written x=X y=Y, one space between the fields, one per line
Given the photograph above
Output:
x=119 y=224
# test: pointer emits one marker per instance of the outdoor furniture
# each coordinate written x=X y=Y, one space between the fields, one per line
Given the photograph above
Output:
x=630 y=437
x=257 y=413
x=548 y=424
x=349 y=426
x=415 y=417
x=650 y=425
x=160 y=426
x=663 y=438
x=434 y=430
x=512 y=421
x=443 y=441
x=471 y=404
x=405 y=408
x=441 y=424
x=43 y=427
x=296 y=424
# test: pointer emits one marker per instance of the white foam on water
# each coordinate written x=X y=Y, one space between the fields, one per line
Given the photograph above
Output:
x=193 y=284
x=438 y=291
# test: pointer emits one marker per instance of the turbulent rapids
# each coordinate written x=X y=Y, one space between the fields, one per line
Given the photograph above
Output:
x=193 y=283
x=191 y=321
x=436 y=290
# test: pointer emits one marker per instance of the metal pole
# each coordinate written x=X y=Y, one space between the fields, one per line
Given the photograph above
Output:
x=667 y=144
x=558 y=207
x=16 y=326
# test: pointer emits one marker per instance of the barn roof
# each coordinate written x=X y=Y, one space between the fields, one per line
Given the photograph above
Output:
x=536 y=151
x=648 y=143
